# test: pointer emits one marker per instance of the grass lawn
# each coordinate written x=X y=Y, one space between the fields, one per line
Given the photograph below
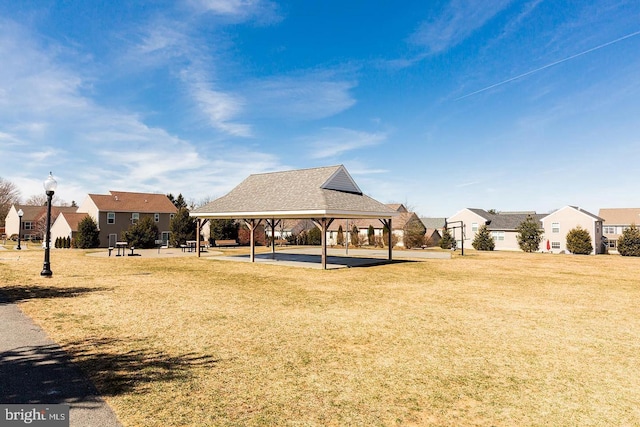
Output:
x=488 y=339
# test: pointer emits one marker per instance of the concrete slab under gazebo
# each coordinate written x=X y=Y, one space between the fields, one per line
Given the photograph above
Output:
x=320 y=194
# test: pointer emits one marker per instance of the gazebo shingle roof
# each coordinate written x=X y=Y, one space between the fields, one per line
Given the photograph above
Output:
x=304 y=193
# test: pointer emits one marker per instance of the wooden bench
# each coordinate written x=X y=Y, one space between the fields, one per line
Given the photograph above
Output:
x=222 y=243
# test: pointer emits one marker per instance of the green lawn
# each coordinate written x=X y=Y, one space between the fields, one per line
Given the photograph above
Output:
x=488 y=339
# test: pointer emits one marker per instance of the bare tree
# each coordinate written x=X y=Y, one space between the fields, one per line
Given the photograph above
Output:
x=9 y=195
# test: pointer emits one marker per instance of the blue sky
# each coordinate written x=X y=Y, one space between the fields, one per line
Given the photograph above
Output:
x=507 y=105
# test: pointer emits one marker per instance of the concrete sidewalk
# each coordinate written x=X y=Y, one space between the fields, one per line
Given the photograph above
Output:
x=35 y=370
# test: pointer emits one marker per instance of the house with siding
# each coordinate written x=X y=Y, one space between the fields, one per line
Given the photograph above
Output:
x=117 y=211
x=557 y=224
x=33 y=220
x=66 y=225
x=616 y=220
x=501 y=225
x=398 y=225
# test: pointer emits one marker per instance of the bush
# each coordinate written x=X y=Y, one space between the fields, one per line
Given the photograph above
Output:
x=529 y=235
x=340 y=238
x=371 y=235
x=413 y=233
x=629 y=242
x=183 y=228
x=446 y=242
x=87 y=236
x=579 y=241
x=142 y=234
x=483 y=240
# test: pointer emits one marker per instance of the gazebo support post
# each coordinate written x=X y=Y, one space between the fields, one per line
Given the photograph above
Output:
x=252 y=224
x=323 y=224
x=387 y=223
x=199 y=224
x=273 y=223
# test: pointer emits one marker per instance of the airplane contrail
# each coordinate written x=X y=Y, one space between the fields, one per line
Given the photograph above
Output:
x=548 y=65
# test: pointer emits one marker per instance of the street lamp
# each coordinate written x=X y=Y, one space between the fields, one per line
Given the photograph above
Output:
x=50 y=186
x=20 y=213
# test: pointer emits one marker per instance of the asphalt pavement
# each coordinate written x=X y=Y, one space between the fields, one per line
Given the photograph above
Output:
x=35 y=370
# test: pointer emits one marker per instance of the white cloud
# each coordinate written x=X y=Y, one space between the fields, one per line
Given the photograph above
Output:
x=308 y=96
x=455 y=23
x=333 y=142
x=262 y=11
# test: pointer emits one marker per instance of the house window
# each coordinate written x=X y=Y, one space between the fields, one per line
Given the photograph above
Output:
x=28 y=225
x=474 y=227
x=609 y=229
x=555 y=245
x=555 y=227
x=135 y=217
x=497 y=235
x=612 y=244
x=156 y=217
x=111 y=218
x=171 y=216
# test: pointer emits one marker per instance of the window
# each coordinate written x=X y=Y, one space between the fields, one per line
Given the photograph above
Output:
x=555 y=245
x=609 y=229
x=156 y=217
x=474 y=227
x=111 y=218
x=555 y=227
x=612 y=244
x=497 y=235
x=171 y=216
x=135 y=217
x=28 y=225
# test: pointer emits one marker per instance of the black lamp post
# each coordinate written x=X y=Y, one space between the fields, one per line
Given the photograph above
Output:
x=50 y=186
x=20 y=213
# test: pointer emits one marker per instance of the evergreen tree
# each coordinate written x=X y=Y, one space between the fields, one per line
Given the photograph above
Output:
x=579 y=241
x=483 y=240
x=446 y=242
x=340 y=238
x=629 y=242
x=87 y=236
x=354 y=238
x=142 y=234
x=529 y=235
x=182 y=227
x=413 y=233
x=371 y=233
x=223 y=229
x=178 y=202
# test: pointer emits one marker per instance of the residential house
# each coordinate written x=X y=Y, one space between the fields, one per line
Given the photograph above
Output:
x=399 y=224
x=616 y=220
x=66 y=225
x=434 y=227
x=465 y=224
x=33 y=220
x=557 y=224
x=117 y=211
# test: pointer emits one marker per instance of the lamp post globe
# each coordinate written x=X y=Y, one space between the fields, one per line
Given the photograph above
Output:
x=20 y=213
x=50 y=186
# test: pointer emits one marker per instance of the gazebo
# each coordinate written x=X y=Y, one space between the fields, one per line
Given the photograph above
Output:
x=320 y=194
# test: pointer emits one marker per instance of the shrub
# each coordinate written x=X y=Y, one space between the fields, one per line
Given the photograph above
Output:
x=142 y=234
x=371 y=233
x=629 y=242
x=446 y=242
x=340 y=238
x=183 y=228
x=413 y=236
x=579 y=241
x=529 y=235
x=87 y=236
x=483 y=240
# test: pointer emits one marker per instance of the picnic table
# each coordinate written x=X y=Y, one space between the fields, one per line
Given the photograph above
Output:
x=121 y=246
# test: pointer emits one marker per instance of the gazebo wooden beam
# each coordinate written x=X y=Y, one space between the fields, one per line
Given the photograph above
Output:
x=252 y=224
x=323 y=224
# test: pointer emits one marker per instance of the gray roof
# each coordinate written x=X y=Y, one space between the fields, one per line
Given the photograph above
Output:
x=305 y=193
x=506 y=220
x=434 y=222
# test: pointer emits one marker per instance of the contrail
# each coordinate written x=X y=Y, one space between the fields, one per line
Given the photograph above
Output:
x=548 y=65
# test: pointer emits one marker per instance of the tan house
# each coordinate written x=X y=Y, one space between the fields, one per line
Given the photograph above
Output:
x=557 y=224
x=399 y=224
x=616 y=220
x=464 y=226
x=33 y=220
x=117 y=211
x=66 y=225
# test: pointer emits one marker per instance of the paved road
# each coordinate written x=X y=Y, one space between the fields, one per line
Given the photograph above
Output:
x=34 y=369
